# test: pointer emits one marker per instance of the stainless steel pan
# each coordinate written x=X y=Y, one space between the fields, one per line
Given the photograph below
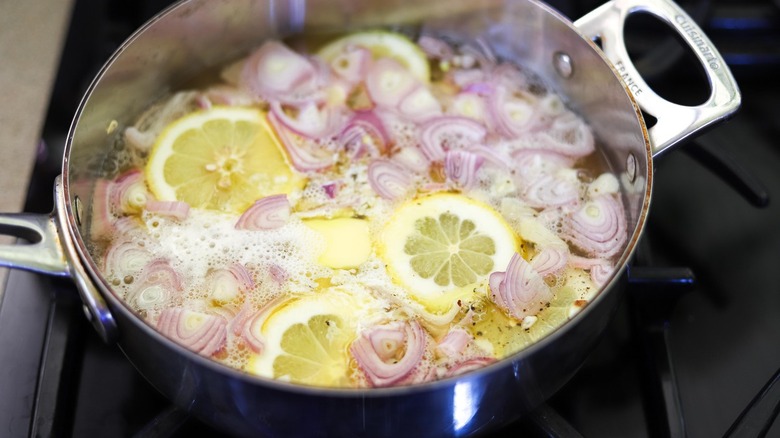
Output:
x=195 y=35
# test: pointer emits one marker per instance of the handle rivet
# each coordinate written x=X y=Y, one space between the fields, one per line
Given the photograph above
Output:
x=631 y=168
x=79 y=210
x=563 y=64
x=87 y=313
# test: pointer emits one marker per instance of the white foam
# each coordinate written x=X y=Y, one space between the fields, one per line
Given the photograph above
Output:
x=207 y=241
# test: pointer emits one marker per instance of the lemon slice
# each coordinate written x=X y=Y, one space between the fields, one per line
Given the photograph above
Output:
x=383 y=44
x=224 y=158
x=307 y=339
x=442 y=245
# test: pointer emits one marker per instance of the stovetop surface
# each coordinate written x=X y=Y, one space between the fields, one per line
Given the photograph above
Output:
x=724 y=334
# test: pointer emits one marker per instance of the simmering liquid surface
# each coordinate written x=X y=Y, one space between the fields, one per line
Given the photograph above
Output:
x=378 y=212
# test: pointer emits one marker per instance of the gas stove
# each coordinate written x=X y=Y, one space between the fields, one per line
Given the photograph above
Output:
x=693 y=348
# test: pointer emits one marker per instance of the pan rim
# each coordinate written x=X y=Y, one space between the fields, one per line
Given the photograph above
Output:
x=118 y=305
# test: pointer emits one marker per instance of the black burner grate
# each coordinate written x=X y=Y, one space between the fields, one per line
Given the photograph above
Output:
x=661 y=369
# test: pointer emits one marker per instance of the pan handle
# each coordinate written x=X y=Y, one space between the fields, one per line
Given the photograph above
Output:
x=44 y=252
x=52 y=251
x=675 y=122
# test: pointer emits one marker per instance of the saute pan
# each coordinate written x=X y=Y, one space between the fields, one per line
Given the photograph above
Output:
x=597 y=80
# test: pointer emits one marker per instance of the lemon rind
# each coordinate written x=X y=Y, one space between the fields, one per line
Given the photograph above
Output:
x=397 y=43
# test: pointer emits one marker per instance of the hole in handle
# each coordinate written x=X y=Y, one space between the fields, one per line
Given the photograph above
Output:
x=665 y=62
x=28 y=234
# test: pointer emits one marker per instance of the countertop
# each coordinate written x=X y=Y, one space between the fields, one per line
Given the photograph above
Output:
x=32 y=33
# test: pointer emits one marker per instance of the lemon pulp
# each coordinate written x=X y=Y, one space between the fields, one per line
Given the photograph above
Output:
x=224 y=158
x=449 y=250
x=307 y=339
x=441 y=246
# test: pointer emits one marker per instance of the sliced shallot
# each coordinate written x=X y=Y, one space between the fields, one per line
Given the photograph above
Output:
x=598 y=228
x=388 y=82
x=125 y=258
x=445 y=133
x=514 y=115
x=102 y=218
x=175 y=209
x=580 y=262
x=379 y=342
x=601 y=273
x=534 y=230
x=532 y=163
x=228 y=95
x=604 y=184
x=128 y=226
x=363 y=135
x=600 y=269
x=479 y=88
x=462 y=166
x=466 y=77
x=251 y=333
x=251 y=325
x=568 y=135
x=509 y=77
x=153 y=121
x=138 y=140
x=310 y=121
x=237 y=324
x=420 y=104
x=550 y=260
x=203 y=333
x=471 y=105
x=275 y=72
x=454 y=342
x=156 y=287
x=161 y=272
x=435 y=48
x=480 y=52
x=388 y=179
x=467 y=365
x=266 y=213
x=305 y=154
x=331 y=189
x=352 y=64
x=491 y=156
x=203 y=102
x=551 y=191
x=128 y=193
x=278 y=274
x=520 y=291
x=386 y=341
x=149 y=297
x=226 y=284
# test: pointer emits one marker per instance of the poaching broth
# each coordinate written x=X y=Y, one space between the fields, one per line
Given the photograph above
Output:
x=434 y=210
